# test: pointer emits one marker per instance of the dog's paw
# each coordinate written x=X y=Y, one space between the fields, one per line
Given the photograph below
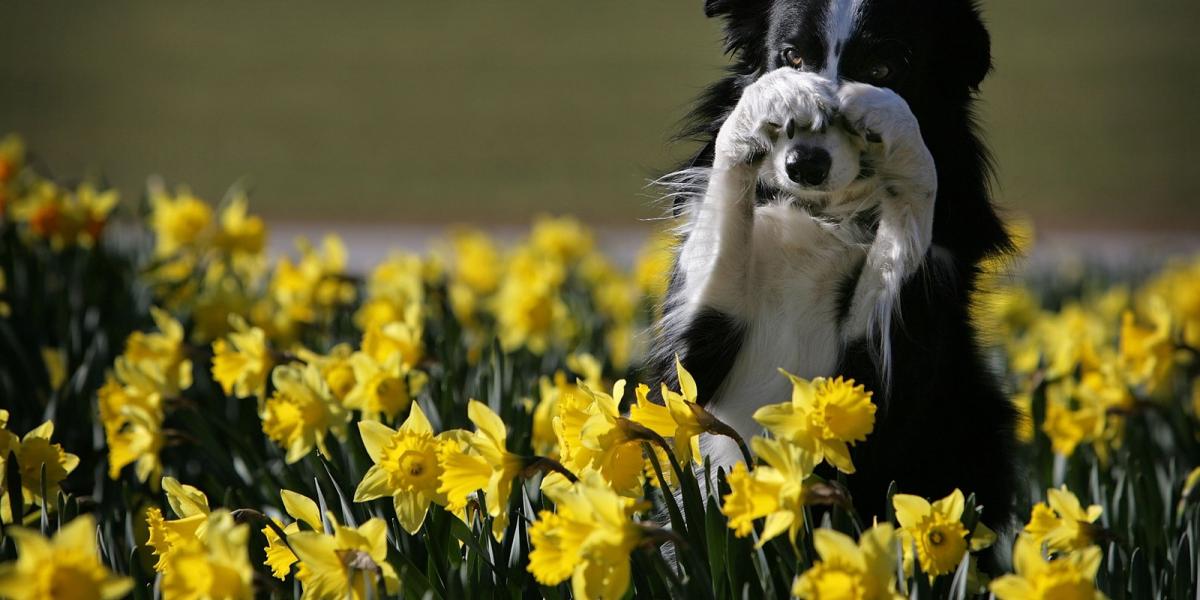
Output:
x=887 y=124
x=779 y=103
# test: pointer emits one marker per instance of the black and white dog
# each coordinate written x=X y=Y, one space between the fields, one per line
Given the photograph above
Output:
x=833 y=225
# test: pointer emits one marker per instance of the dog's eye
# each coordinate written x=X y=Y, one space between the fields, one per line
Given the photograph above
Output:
x=880 y=72
x=791 y=57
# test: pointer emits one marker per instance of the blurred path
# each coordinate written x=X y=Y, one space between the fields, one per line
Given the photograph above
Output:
x=370 y=243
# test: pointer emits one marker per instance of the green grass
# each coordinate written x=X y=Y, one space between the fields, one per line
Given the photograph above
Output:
x=493 y=111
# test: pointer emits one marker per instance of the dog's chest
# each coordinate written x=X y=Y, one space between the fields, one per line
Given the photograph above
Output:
x=798 y=269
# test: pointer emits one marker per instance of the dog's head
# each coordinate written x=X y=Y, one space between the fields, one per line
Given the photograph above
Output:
x=928 y=51
x=933 y=53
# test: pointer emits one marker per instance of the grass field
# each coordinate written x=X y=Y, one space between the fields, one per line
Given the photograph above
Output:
x=493 y=111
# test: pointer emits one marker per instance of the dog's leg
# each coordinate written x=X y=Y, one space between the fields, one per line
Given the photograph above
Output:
x=909 y=181
x=712 y=289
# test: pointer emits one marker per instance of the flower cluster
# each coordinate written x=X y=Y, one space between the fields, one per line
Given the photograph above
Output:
x=203 y=421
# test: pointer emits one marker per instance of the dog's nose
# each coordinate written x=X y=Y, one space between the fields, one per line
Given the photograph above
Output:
x=807 y=165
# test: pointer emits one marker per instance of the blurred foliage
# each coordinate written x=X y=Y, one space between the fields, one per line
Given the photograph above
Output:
x=467 y=422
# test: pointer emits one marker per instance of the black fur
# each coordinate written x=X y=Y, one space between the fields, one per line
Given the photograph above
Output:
x=944 y=421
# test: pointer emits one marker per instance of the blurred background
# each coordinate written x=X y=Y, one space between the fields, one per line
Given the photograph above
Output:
x=407 y=114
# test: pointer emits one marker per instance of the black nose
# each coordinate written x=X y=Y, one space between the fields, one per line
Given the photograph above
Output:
x=807 y=165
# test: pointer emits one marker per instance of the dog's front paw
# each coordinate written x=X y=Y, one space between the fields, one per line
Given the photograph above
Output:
x=781 y=101
x=888 y=125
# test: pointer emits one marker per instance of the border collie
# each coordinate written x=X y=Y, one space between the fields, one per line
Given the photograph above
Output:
x=833 y=224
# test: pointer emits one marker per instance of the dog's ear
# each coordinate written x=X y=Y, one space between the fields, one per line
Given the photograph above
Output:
x=745 y=22
x=967 y=44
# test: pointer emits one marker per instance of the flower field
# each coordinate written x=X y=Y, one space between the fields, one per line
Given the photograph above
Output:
x=183 y=417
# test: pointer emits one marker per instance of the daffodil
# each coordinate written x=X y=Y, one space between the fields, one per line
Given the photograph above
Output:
x=302 y=411
x=1068 y=427
x=652 y=267
x=862 y=571
x=242 y=361
x=9 y=443
x=825 y=416
x=161 y=354
x=937 y=532
x=678 y=419
x=529 y=309
x=168 y=536
x=1147 y=354
x=588 y=539
x=1036 y=578
x=347 y=564
x=301 y=508
x=240 y=234
x=66 y=566
x=485 y=465
x=1062 y=523
x=216 y=566
x=178 y=221
x=774 y=491
x=38 y=456
x=382 y=389
x=406 y=467
x=131 y=412
x=398 y=341
x=589 y=436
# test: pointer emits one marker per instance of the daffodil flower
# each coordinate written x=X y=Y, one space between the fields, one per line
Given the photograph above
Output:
x=302 y=411
x=280 y=557
x=344 y=564
x=482 y=463
x=937 y=532
x=825 y=416
x=774 y=491
x=406 y=467
x=864 y=571
x=1062 y=523
x=215 y=566
x=588 y=539
x=190 y=506
x=66 y=566
x=1036 y=578
x=241 y=362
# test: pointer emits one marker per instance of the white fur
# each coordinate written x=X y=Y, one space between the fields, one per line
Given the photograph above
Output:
x=776 y=268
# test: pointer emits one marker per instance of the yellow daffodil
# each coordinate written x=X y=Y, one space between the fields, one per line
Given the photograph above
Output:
x=588 y=539
x=529 y=309
x=937 y=532
x=395 y=287
x=66 y=566
x=167 y=537
x=37 y=454
x=161 y=354
x=1062 y=523
x=1147 y=354
x=396 y=341
x=1071 y=576
x=406 y=467
x=825 y=416
x=382 y=389
x=242 y=361
x=774 y=491
x=131 y=412
x=1067 y=427
x=589 y=437
x=486 y=465
x=563 y=238
x=347 y=564
x=178 y=221
x=240 y=233
x=302 y=411
x=862 y=571
x=216 y=566
x=652 y=268
x=677 y=420
x=301 y=508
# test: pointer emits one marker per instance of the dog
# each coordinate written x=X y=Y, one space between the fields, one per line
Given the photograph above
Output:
x=834 y=223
